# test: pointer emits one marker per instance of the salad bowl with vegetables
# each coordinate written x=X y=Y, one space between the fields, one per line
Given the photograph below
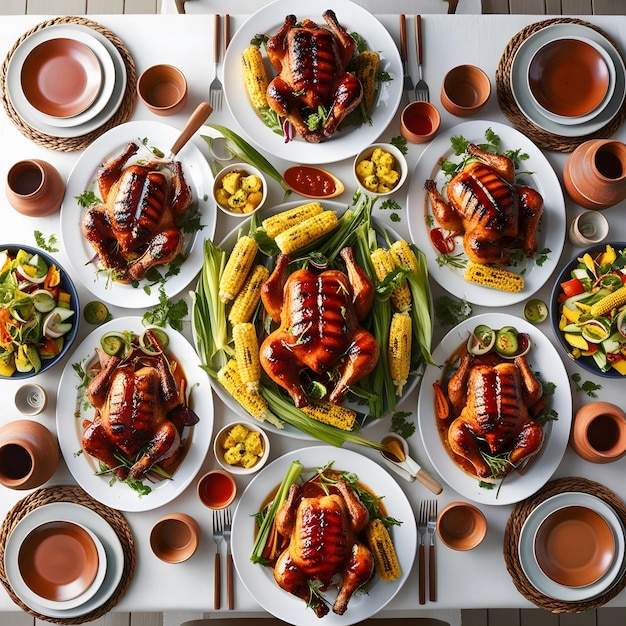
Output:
x=588 y=309
x=38 y=311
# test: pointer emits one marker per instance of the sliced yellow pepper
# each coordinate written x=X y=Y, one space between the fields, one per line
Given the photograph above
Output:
x=608 y=256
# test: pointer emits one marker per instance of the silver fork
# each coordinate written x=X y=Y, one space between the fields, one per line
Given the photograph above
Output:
x=407 y=85
x=432 y=576
x=421 y=89
x=218 y=537
x=215 y=88
x=229 y=560
x=422 y=524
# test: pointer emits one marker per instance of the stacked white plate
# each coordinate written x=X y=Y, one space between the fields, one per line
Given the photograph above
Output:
x=547 y=585
x=110 y=555
x=527 y=104
x=103 y=88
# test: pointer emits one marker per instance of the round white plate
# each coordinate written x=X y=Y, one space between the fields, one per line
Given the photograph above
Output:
x=290 y=431
x=82 y=177
x=73 y=408
x=550 y=234
x=538 y=579
x=543 y=358
x=107 y=102
x=259 y=580
x=521 y=90
x=72 y=513
x=344 y=144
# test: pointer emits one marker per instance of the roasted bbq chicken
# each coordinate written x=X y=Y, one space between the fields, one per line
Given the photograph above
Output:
x=495 y=216
x=495 y=404
x=319 y=329
x=137 y=226
x=137 y=402
x=311 y=63
x=322 y=532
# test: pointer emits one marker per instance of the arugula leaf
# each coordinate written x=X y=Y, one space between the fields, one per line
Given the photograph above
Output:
x=48 y=245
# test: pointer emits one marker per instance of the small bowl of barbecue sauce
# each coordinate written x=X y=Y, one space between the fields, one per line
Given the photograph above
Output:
x=312 y=182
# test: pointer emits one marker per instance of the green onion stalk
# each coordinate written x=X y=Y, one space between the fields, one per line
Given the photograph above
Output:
x=240 y=148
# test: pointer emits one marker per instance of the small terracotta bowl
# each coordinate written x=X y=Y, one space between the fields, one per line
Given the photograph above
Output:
x=570 y=78
x=174 y=538
x=241 y=448
x=465 y=90
x=163 y=89
x=235 y=189
x=217 y=489
x=367 y=163
x=461 y=525
x=574 y=546
x=419 y=121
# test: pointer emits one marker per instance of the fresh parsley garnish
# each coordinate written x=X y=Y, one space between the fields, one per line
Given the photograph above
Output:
x=588 y=386
x=49 y=244
x=400 y=424
x=400 y=143
x=88 y=199
x=166 y=312
x=450 y=311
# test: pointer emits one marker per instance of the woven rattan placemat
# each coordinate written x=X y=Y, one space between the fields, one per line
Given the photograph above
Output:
x=543 y=138
x=511 y=539
x=70 y=144
x=76 y=495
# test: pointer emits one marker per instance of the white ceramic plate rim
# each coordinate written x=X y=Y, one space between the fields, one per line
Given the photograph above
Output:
x=81 y=598
x=544 y=358
x=345 y=144
x=259 y=580
x=111 y=104
x=551 y=232
x=524 y=99
x=71 y=412
x=83 y=35
x=200 y=179
x=538 y=579
x=290 y=431
x=74 y=513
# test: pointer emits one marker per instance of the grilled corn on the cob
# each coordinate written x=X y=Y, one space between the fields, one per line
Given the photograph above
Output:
x=255 y=76
x=383 y=265
x=402 y=255
x=608 y=303
x=280 y=222
x=251 y=401
x=247 y=355
x=380 y=544
x=494 y=277
x=400 y=335
x=247 y=299
x=312 y=228
x=237 y=268
x=367 y=67
x=339 y=416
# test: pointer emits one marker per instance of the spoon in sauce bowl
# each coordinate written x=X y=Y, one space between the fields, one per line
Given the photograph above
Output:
x=396 y=455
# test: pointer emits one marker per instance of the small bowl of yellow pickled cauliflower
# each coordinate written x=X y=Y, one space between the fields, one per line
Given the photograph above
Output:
x=380 y=169
x=240 y=189
x=241 y=448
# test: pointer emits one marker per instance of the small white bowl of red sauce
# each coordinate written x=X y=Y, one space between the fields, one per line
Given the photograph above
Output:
x=312 y=182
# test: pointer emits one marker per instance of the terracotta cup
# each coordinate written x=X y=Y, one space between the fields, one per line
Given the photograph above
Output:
x=461 y=525
x=217 y=489
x=465 y=90
x=175 y=537
x=599 y=432
x=35 y=188
x=419 y=121
x=595 y=174
x=163 y=89
x=29 y=454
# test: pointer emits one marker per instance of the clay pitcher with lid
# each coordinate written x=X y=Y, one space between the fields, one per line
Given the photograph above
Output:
x=595 y=174
x=29 y=454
